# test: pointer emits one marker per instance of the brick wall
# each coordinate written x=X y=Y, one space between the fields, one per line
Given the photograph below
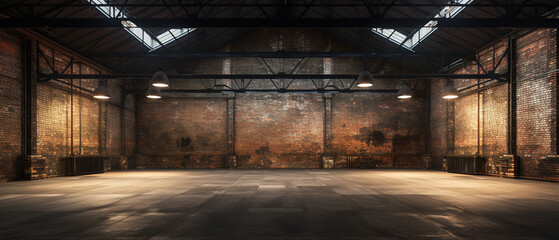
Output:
x=96 y=124
x=57 y=104
x=10 y=103
x=384 y=130
x=480 y=115
x=438 y=125
x=536 y=99
x=279 y=130
x=183 y=132
x=283 y=130
x=493 y=115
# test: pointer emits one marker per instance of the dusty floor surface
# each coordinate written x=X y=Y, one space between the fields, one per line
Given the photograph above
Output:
x=279 y=204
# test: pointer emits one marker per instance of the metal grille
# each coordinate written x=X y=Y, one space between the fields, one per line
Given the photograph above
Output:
x=465 y=164
x=549 y=167
x=80 y=165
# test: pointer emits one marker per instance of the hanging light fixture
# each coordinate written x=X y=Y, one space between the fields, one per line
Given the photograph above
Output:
x=365 y=80
x=153 y=93
x=102 y=92
x=449 y=91
x=405 y=91
x=160 y=79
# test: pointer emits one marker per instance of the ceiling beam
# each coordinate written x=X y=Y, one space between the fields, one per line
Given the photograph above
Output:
x=489 y=75
x=279 y=91
x=281 y=22
x=279 y=54
x=288 y=4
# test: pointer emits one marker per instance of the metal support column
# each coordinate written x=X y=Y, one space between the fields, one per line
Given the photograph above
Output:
x=511 y=126
x=29 y=124
x=231 y=160
x=327 y=157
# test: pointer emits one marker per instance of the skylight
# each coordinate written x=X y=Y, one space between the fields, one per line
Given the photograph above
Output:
x=152 y=43
x=417 y=36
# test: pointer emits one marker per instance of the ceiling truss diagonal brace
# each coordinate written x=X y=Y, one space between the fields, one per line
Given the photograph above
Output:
x=496 y=76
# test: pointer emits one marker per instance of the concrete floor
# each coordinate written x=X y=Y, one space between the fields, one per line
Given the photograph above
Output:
x=279 y=204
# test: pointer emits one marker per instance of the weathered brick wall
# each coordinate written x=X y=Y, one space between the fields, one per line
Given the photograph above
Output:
x=183 y=132
x=130 y=131
x=279 y=130
x=536 y=99
x=53 y=121
x=478 y=117
x=494 y=117
x=481 y=113
x=56 y=106
x=466 y=125
x=493 y=108
x=10 y=103
x=438 y=125
x=113 y=134
x=386 y=130
x=284 y=130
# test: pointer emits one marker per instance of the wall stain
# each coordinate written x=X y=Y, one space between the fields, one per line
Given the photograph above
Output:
x=184 y=144
x=264 y=153
x=404 y=142
x=370 y=136
x=263 y=150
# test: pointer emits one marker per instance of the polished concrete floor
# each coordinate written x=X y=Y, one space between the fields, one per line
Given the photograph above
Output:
x=279 y=204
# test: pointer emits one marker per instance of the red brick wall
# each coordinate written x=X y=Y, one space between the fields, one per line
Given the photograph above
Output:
x=57 y=105
x=536 y=96
x=466 y=124
x=183 y=132
x=378 y=125
x=438 y=125
x=480 y=117
x=279 y=130
x=285 y=130
x=113 y=124
x=53 y=121
x=494 y=116
x=130 y=131
x=493 y=108
x=10 y=103
x=54 y=109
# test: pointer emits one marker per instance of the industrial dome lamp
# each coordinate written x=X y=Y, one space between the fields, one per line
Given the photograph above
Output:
x=101 y=91
x=153 y=92
x=405 y=91
x=365 y=80
x=160 y=79
x=449 y=91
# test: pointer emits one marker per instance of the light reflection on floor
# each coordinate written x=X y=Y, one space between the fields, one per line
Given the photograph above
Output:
x=279 y=204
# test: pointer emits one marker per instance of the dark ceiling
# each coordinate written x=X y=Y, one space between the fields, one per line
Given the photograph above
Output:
x=92 y=41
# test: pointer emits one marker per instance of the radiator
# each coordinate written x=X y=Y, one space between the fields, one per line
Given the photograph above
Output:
x=79 y=165
x=549 y=167
x=465 y=164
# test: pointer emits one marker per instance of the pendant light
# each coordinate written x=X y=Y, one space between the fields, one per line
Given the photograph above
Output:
x=405 y=91
x=153 y=92
x=365 y=80
x=160 y=79
x=449 y=91
x=102 y=92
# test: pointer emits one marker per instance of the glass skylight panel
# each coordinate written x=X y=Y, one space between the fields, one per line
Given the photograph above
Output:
x=137 y=32
x=171 y=35
x=391 y=34
x=422 y=33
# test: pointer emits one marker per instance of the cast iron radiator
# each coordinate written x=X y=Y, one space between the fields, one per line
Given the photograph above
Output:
x=467 y=164
x=79 y=165
x=549 y=167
